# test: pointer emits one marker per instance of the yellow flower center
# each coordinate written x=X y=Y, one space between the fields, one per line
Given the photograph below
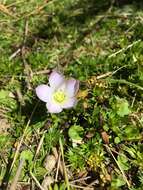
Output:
x=59 y=96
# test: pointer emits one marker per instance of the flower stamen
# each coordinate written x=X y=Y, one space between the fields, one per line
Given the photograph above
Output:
x=59 y=96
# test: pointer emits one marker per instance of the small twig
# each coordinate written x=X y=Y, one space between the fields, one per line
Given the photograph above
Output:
x=141 y=18
x=93 y=183
x=108 y=74
x=40 y=144
x=124 y=49
x=5 y=10
x=131 y=27
x=81 y=187
x=122 y=172
x=104 y=75
x=22 y=138
x=122 y=81
x=114 y=72
x=81 y=179
x=16 y=177
x=133 y=101
x=58 y=166
x=41 y=72
x=36 y=181
x=55 y=153
x=14 y=54
x=64 y=167
x=27 y=68
x=118 y=153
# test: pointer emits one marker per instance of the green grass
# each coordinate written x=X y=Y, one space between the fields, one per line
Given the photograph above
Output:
x=99 y=141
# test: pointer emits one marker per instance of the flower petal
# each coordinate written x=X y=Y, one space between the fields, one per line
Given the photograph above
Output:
x=71 y=102
x=43 y=92
x=55 y=79
x=72 y=87
x=53 y=108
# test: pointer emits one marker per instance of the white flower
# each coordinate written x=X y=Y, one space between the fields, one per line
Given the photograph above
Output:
x=60 y=94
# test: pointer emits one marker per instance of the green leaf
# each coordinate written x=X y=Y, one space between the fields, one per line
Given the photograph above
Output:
x=123 y=162
x=132 y=133
x=117 y=140
x=56 y=187
x=4 y=139
x=62 y=186
x=27 y=155
x=6 y=100
x=122 y=107
x=117 y=181
x=76 y=132
x=40 y=172
x=4 y=94
x=130 y=150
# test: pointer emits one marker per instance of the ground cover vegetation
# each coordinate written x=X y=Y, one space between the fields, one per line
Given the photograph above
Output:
x=97 y=144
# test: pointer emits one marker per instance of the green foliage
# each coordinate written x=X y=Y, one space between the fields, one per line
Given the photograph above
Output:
x=6 y=100
x=123 y=162
x=52 y=138
x=61 y=186
x=82 y=39
x=76 y=158
x=117 y=182
x=76 y=133
x=90 y=153
x=120 y=106
x=26 y=155
x=40 y=172
x=4 y=141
